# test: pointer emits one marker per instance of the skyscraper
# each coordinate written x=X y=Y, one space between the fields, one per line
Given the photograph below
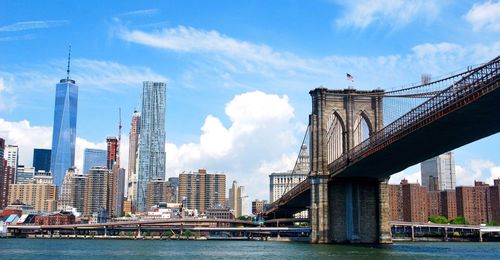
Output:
x=201 y=191
x=112 y=151
x=233 y=198
x=6 y=176
x=93 y=158
x=152 y=139
x=73 y=190
x=11 y=155
x=135 y=129
x=441 y=167
x=64 y=130
x=41 y=159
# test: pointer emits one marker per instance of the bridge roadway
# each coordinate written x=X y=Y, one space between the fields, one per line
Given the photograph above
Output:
x=180 y=222
x=157 y=222
x=471 y=116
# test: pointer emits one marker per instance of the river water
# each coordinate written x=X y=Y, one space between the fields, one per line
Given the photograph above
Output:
x=147 y=249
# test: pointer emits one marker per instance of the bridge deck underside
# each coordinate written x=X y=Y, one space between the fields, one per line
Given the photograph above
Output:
x=460 y=127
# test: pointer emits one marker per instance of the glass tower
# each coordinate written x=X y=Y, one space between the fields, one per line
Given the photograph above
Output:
x=41 y=159
x=93 y=158
x=152 y=139
x=440 y=169
x=64 y=130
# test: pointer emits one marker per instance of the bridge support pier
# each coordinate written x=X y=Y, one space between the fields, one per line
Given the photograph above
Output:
x=319 y=210
x=359 y=211
x=349 y=211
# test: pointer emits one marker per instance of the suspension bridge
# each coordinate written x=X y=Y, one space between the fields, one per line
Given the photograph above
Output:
x=357 y=139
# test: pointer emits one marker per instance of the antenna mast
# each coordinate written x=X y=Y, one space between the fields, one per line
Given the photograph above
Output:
x=69 y=59
x=119 y=134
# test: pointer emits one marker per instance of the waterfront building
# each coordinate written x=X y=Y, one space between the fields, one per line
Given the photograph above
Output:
x=11 y=155
x=174 y=182
x=73 y=190
x=494 y=200
x=135 y=130
x=64 y=129
x=43 y=177
x=414 y=197
x=199 y=190
x=152 y=139
x=281 y=182
x=43 y=197
x=58 y=218
x=219 y=213
x=41 y=159
x=24 y=174
x=128 y=207
x=395 y=202
x=434 y=203
x=472 y=203
x=449 y=204
x=118 y=190
x=438 y=173
x=112 y=151
x=7 y=176
x=93 y=158
x=234 y=199
x=258 y=206
x=97 y=191
x=159 y=191
x=243 y=207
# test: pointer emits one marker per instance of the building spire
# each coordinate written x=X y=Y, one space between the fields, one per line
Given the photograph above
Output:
x=69 y=59
x=119 y=135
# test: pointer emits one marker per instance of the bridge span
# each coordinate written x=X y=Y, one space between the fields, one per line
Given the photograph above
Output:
x=346 y=192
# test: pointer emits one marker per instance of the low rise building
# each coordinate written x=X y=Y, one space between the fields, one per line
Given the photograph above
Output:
x=43 y=197
x=58 y=218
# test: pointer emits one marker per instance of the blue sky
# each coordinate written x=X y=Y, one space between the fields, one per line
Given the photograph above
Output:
x=238 y=72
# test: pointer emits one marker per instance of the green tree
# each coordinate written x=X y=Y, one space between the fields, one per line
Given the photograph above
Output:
x=189 y=233
x=438 y=220
x=168 y=233
x=459 y=220
x=493 y=223
x=245 y=218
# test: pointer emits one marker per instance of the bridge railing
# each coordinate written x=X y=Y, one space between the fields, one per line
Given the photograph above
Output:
x=461 y=90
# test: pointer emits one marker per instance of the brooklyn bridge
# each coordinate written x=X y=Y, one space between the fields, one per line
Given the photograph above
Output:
x=358 y=139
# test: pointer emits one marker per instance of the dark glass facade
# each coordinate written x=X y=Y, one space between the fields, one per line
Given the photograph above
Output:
x=41 y=159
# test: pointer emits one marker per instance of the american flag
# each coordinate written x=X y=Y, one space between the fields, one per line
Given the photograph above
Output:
x=350 y=77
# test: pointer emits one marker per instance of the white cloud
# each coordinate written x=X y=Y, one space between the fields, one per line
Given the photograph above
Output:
x=188 y=39
x=28 y=137
x=485 y=16
x=30 y=25
x=96 y=75
x=262 y=129
x=410 y=175
x=142 y=12
x=107 y=74
x=396 y=13
x=476 y=169
x=230 y=62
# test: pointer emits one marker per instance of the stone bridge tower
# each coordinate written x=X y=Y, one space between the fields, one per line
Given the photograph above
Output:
x=345 y=209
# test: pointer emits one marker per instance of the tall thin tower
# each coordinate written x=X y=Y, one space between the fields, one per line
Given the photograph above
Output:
x=152 y=142
x=64 y=128
x=119 y=135
x=133 y=152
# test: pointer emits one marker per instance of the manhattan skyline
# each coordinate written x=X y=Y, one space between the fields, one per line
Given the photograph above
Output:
x=226 y=80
